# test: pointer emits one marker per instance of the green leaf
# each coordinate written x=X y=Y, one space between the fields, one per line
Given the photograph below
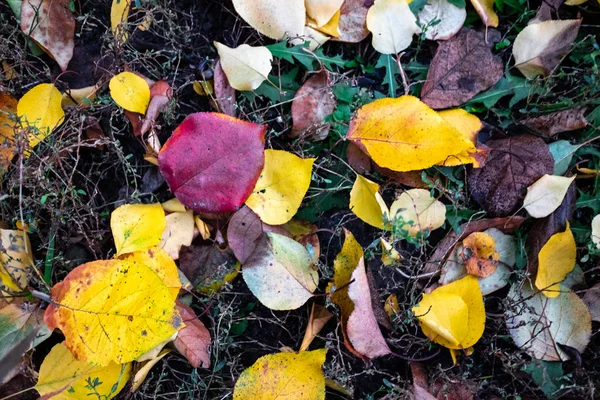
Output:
x=305 y=57
x=519 y=88
x=345 y=92
x=391 y=70
x=416 y=6
x=585 y=200
x=287 y=84
x=562 y=152
x=548 y=375
x=458 y=3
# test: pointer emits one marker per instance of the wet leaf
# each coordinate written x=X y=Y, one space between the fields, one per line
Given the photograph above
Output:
x=391 y=35
x=179 y=231
x=451 y=18
x=312 y=103
x=219 y=175
x=539 y=48
x=367 y=204
x=193 y=341
x=246 y=67
x=277 y=376
x=550 y=125
x=404 y=134
x=15 y=260
x=319 y=316
x=130 y=91
x=546 y=194
x=40 y=108
x=485 y=9
x=117 y=310
x=418 y=211
x=281 y=186
x=556 y=259
x=353 y=21
x=69 y=378
x=273 y=18
x=137 y=227
x=479 y=251
x=461 y=68
x=280 y=272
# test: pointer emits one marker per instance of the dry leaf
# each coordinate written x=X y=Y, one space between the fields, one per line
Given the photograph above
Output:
x=141 y=375
x=392 y=24
x=273 y=18
x=591 y=298
x=556 y=259
x=119 y=12
x=353 y=21
x=417 y=212
x=16 y=260
x=319 y=316
x=451 y=18
x=312 y=103
x=246 y=67
x=8 y=133
x=461 y=67
x=224 y=93
x=137 y=227
x=193 y=341
x=546 y=194
x=367 y=204
x=208 y=267
x=160 y=94
x=550 y=125
x=479 y=252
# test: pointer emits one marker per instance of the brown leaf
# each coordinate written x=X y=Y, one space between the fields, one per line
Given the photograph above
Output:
x=591 y=298
x=409 y=178
x=515 y=163
x=547 y=8
x=353 y=21
x=207 y=267
x=358 y=159
x=52 y=25
x=420 y=382
x=93 y=131
x=312 y=103
x=479 y=252
x=160 y=94
x=224 y=93
x=381 y=315
x=550 y=125
x=462 y=390
x=193 y=341
x=319 y=316
x=461 y=67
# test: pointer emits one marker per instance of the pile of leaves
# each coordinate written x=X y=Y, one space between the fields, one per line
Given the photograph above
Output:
x=378 y=199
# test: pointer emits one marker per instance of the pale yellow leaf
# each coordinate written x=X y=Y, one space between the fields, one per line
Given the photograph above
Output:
x=417 y=211
x=546 y=195
x=142 y=373
x=555 y=260
x=173 y=205
x=15 y=260
x=178 y=232
x=40 y=109
x=137 y=226
x=246 y=67
x=596 y=231
x=443 y=20
x=392 y=24
x=389 y=255
x=366 y=202
x=130 y=91
x=273 y=18
x=322 y=11
x=485 y=9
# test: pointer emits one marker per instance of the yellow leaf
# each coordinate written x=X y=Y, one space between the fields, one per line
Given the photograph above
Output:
x=40 y=108
x=117 y=310
x=366 y=202
x=392 y=24
x=141 y=375
x=546 y=195
x=555 y=260
x=178 y=232
x=283 y=376
x=202 y=227
x=596 y=231
x=173 y=205
x=130 y=91
x=204 y=88
x=8 y=133
x=83 y=97
x=119 y=12
x=137 y=226
x=468 y=125
x=479 y=252
x=404 y=134
x=391 y=306
x=61 y=372
x=15 y=259
x=485 y=9
x=417 y=211
x=344 y=265
x=331 y=27
x=322 y=11
x=282 y=184
x=246 y=67
x=273 y=18
x=453 y=315
x=575 y=2
x=389 y=255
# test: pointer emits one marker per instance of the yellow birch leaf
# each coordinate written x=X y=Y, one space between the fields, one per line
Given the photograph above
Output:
x=40 y=108
x=15 y=259
x=404 y=134
x=8 y=133
x=137 y=227
x=273 y=18
x=546 y=195
x=281 y=186
x=61 y=372
x=322 y=11
x=389 y=255
x=119 y=12
x=392 y=24
x=142 y=374
x=283 y=376
x=555 y=260
x=418 y=211
x=453 y=315
x=178 y=232
x=117 y=310
x=366 y=202
x=246 y=67
x=596 y=231
x=130 y=92
x=468 y=125
x=485 y=9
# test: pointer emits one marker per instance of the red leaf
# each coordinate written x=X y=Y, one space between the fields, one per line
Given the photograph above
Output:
x=193 y=341
x=213 y=161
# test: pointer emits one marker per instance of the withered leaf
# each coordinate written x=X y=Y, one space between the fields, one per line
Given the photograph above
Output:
x=224 y=93
x=462 y=67
x=208 y=266
x=353 y=20
x=550 y=125
x=312 y=104
x=515 y=163
x=358 y=159
x=193 y=341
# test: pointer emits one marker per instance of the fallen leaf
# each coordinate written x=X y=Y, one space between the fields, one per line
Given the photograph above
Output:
x=224 y=93
x=8 y=133
x=304 y=233
x=596 y=231
x=193 y=341
x=468 y=125
x=404 y=134
x=591 y=298
x=137 y=227
x=556 y=259
x=550 y=125
x=219 y=175
x=367 y=204
x=461 y=68
x=141 y=375
x=40 y=109
x=208 y=267
x=281 y=186
x=546 y=194
x=562 y=151
x=391 y=35
x=69 y=378
x=16 y=260
x=119 y=12
x=415 y=211
x=515 y=163
x=160 y=94
x=353 y=21
x=130 y=91
x=453 y=315
x=538 y=323
x=539 y=48
x=392 y=307
x=389 y=255
x=485 y=9
x=179 y=231
x=479 y=252
x=173 y=205
x=273 y=18
x=451 y=18
x=358 y=159
x=133 y=307
x=280 y=273
x=291 y=375
x=312 y=103
x=83 y=97
x=322 y=11
x=246 y=67
x=51 y=24
x=547 y=8
x=330 y=27
x=319 y=316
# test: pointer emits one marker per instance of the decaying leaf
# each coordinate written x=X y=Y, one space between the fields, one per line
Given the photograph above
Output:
x=461 y=67
x=417 y=211
x=160 y=94
x=137 y=227
x=312 y=103
x=546 y=194
x=591 y=298
x=353 y=21
x=8 y=133
x=479 y=252
x=404 y=134
x=515 y=163
x=283 y=375
x=179 y=231
x=280 y=273
x=538 y=323
x=219 y=175
x=451 y=18
x=485 y=9
x=392 y=24
x=193 y=341
x=555 y=260
x=117 y=310
x=550 y=125
x=319 y=316
x=208 y=267
x=16 y=260
x=68 y=378
x=246 y=67
x=539 y=48
x=40 y=109
x=224 y=93
x=52 y=25
x=367 y=204
x=130 y=91
x=281 y=186
x=304 y=233
x=273 y=18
